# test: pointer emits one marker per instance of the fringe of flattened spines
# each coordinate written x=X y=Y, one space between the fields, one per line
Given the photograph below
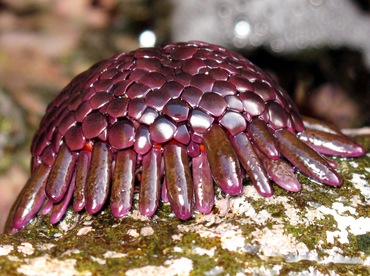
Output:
x=166 y=172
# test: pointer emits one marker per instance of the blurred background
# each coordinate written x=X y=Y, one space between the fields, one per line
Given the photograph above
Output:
x=319 y=51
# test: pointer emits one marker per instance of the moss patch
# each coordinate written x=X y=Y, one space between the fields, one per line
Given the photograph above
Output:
x=289 y=232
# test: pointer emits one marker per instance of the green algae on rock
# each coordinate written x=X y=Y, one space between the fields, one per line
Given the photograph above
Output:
x=288 y=233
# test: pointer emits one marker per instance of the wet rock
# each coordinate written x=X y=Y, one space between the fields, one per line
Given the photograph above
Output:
x=298 y=233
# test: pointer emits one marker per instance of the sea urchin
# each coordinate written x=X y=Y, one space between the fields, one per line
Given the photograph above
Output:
x=171 y=121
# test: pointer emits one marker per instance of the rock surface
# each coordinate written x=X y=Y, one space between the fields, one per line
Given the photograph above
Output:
x=320 y=231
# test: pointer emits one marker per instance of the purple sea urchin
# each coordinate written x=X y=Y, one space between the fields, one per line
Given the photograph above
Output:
x=173 y=120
